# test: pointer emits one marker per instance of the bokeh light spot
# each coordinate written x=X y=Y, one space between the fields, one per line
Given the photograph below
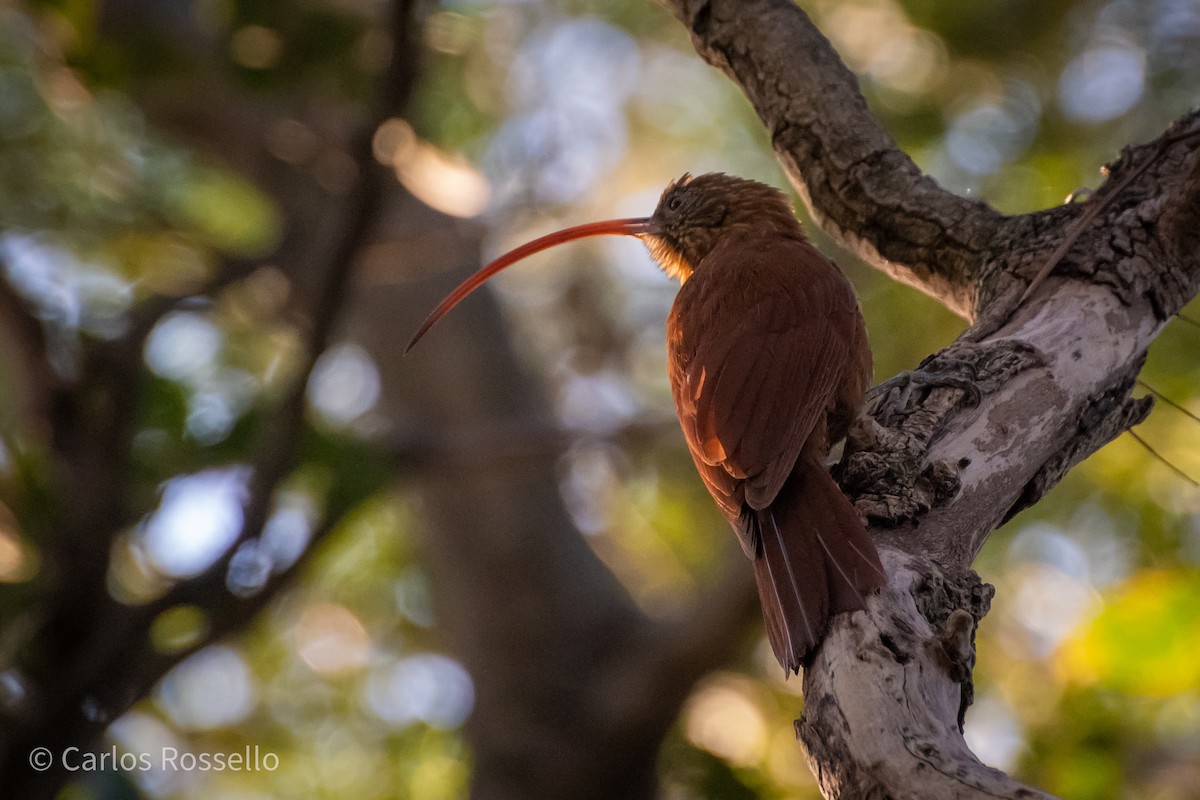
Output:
x=993 y=733
x=331 y=640
x=179 y=628
x=723 y=720
x=427 y=688
x=1102 y=83
x=344 y=384
x=183 y=345
x=212 y=689
x=198 y=519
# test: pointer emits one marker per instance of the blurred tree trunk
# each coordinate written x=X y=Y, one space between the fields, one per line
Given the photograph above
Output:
x=575 y=686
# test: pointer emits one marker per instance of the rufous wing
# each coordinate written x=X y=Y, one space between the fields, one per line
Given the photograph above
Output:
x=758 y=339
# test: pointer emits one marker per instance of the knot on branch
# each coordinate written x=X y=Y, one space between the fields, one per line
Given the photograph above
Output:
x=939 y=595
x=954 y=605
x=956 y=643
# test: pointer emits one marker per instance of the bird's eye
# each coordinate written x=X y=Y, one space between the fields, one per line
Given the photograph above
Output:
x=674 y=203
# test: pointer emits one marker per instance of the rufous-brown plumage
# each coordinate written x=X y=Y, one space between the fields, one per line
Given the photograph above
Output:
x=768 y=363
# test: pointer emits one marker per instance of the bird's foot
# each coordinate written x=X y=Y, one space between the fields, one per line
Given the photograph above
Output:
x=971 y=368
x=893 y=398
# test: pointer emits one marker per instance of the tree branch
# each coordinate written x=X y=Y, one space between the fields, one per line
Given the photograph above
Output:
x=884 y=699
x=859 y=187
x=938 y=475
x=25 y=342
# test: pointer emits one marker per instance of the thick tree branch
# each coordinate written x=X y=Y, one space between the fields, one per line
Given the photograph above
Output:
x=938 y=475
x=884 y=699
x=858 y=185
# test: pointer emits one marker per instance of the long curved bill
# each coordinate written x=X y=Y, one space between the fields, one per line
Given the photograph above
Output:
x=633 y=226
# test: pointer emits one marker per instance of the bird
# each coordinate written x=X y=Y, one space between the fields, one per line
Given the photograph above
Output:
x=768 y=362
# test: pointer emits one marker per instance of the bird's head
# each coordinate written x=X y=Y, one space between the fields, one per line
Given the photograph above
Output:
x=692 y=216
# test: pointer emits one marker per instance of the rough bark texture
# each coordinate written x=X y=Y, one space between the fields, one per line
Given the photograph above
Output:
x=898 y=675
x=937 y=469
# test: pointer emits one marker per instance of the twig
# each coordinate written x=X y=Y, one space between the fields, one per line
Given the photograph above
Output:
x=484 y=447
x=1183 y=317
x=1168 y=401
x=1095 y=207
x=278 y=442
x=1163 y=459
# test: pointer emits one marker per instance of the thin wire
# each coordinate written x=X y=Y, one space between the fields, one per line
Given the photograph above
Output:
x=1161 y=458
x=1102 y=200
x=1188 y=320
x=1168 y=401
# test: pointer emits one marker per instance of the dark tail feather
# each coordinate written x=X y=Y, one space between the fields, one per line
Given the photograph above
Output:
x=793 y=595
x=814 y=560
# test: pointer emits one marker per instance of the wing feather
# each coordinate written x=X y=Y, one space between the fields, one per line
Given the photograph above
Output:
x=758 y=341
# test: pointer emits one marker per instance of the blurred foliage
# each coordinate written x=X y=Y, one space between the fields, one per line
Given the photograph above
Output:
x=563 y=111
x=1140 y=641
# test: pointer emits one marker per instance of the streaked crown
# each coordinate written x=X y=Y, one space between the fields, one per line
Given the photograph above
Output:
x=695 y=213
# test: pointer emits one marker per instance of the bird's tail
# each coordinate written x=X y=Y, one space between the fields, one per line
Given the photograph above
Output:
x=814 y=560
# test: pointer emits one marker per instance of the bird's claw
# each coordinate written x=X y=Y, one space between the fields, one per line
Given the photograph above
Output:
x=880 y=398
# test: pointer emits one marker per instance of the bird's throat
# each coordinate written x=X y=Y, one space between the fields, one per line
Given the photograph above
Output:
x=668 y=258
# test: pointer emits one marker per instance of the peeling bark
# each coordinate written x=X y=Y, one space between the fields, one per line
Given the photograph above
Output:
x=884 y=700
